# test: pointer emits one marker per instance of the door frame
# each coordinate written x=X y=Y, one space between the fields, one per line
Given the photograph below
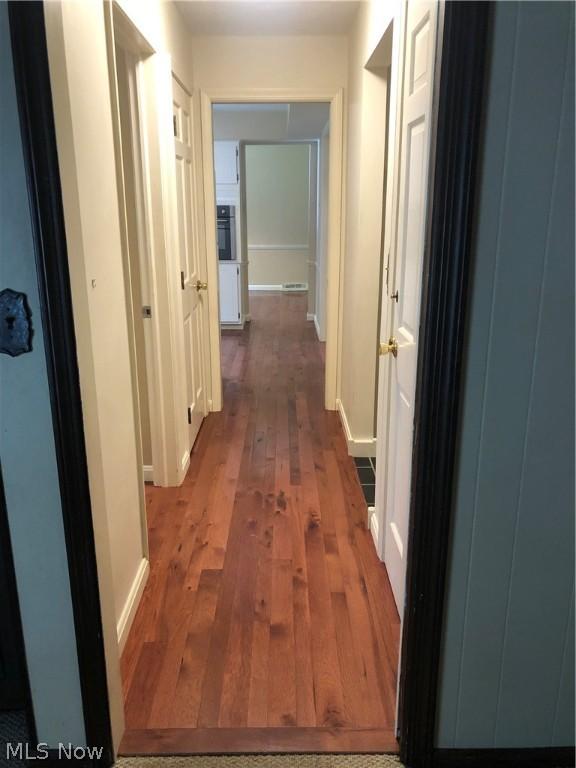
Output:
x=34 y=97
x=165 y=350
x=11 y=606
x=336 y=198
x=443 y=317
x=313 y=198
x=120 y=35
x=463 y=30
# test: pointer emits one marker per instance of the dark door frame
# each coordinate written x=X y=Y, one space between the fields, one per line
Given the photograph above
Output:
x=464 y=44
x=463 y=61
x=34 y=96
x=17 y=697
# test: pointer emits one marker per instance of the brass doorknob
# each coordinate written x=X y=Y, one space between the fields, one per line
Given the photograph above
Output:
x=200 y=286
x=390 y=348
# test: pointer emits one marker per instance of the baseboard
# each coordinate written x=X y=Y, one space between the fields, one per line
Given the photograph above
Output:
x=279 y=288
x=185 y=463
x=310 y=316
x=536 y=757
x=276 y=288
x=374 y=525
x=247 y=318
x=317 y=326
x=232 y=326
x=131 y=605
x=148 y=473
x=356 y=446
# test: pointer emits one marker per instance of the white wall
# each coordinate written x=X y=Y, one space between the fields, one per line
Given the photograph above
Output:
x=277 y=188
x=367 y=97
x=265 y=63
x=79 y=70
x=134 y=286
x=277 y=213
x=320 y=306
x=28 y=454
x=313 y=192
x=250 y=125
x=269 y=62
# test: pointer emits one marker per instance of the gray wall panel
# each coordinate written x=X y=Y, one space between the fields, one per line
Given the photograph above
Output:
x=29 y=457
x=511 y=569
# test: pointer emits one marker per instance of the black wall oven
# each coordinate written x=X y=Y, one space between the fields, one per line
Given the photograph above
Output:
x=226 y=226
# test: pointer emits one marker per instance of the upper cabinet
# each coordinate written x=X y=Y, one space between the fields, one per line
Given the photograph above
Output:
x=226 y=164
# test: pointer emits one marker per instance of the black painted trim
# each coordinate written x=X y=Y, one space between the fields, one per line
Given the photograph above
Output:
x=444 y=303
x=13 y=610
x=33 y=91
x=544 y=757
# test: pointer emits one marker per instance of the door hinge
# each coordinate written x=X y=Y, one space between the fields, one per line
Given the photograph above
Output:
x=189 y=415
x=182 y=281
x=238 y=315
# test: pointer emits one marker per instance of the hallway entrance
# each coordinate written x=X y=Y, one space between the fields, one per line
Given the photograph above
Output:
x=268 y=622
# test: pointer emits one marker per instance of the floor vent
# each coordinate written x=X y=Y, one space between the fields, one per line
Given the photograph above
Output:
x=295 y=287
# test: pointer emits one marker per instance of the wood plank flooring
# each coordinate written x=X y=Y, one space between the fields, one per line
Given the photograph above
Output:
x=267 y=623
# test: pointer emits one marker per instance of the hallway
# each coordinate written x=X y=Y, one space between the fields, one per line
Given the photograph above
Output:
x=267 y=609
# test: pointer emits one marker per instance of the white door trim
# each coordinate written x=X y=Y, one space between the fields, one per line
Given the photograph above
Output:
x=165 y=365
x=335 y=225
x=377 y=513
x=397 y=391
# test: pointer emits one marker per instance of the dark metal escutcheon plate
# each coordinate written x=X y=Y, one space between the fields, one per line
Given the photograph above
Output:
x=15 y=325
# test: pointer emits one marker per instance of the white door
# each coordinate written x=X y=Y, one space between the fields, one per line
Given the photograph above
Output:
x=193 y=288
x=226 y=162
x=229 y=293
x=406 y=279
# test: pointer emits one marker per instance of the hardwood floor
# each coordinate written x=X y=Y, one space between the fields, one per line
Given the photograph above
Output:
x=267 y=623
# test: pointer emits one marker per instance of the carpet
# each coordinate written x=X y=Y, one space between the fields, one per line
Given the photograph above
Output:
x=263 y=761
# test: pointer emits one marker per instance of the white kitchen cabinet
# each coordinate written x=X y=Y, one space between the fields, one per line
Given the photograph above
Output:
x=230 y=293
x=226 y=168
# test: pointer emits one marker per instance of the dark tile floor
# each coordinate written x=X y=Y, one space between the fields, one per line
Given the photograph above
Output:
x=366 y=468
x=13 y=730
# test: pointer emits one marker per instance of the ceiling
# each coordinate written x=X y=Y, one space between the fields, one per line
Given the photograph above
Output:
x=272 y=17
x=275 y=122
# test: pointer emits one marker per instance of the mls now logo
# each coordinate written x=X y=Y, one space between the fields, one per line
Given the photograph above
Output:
x=22 y=751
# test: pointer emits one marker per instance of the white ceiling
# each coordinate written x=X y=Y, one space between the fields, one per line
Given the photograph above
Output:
x=307 y=121
x=270 y=17
x=252 y=107
x=270 y=122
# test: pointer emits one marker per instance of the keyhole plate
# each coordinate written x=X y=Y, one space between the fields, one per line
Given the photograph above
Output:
x=15 y=325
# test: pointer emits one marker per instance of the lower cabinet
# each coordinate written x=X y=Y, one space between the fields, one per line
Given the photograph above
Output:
x=230 y=310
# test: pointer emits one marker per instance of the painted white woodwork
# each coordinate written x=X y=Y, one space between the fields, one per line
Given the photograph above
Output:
x=226 y=164
x=229 y=292
x=191 y=278
x=398 y=374
x=334 y=229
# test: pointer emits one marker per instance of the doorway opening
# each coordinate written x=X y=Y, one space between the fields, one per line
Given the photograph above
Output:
x=268 y=623
x=271 y=185
x=98 y=709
